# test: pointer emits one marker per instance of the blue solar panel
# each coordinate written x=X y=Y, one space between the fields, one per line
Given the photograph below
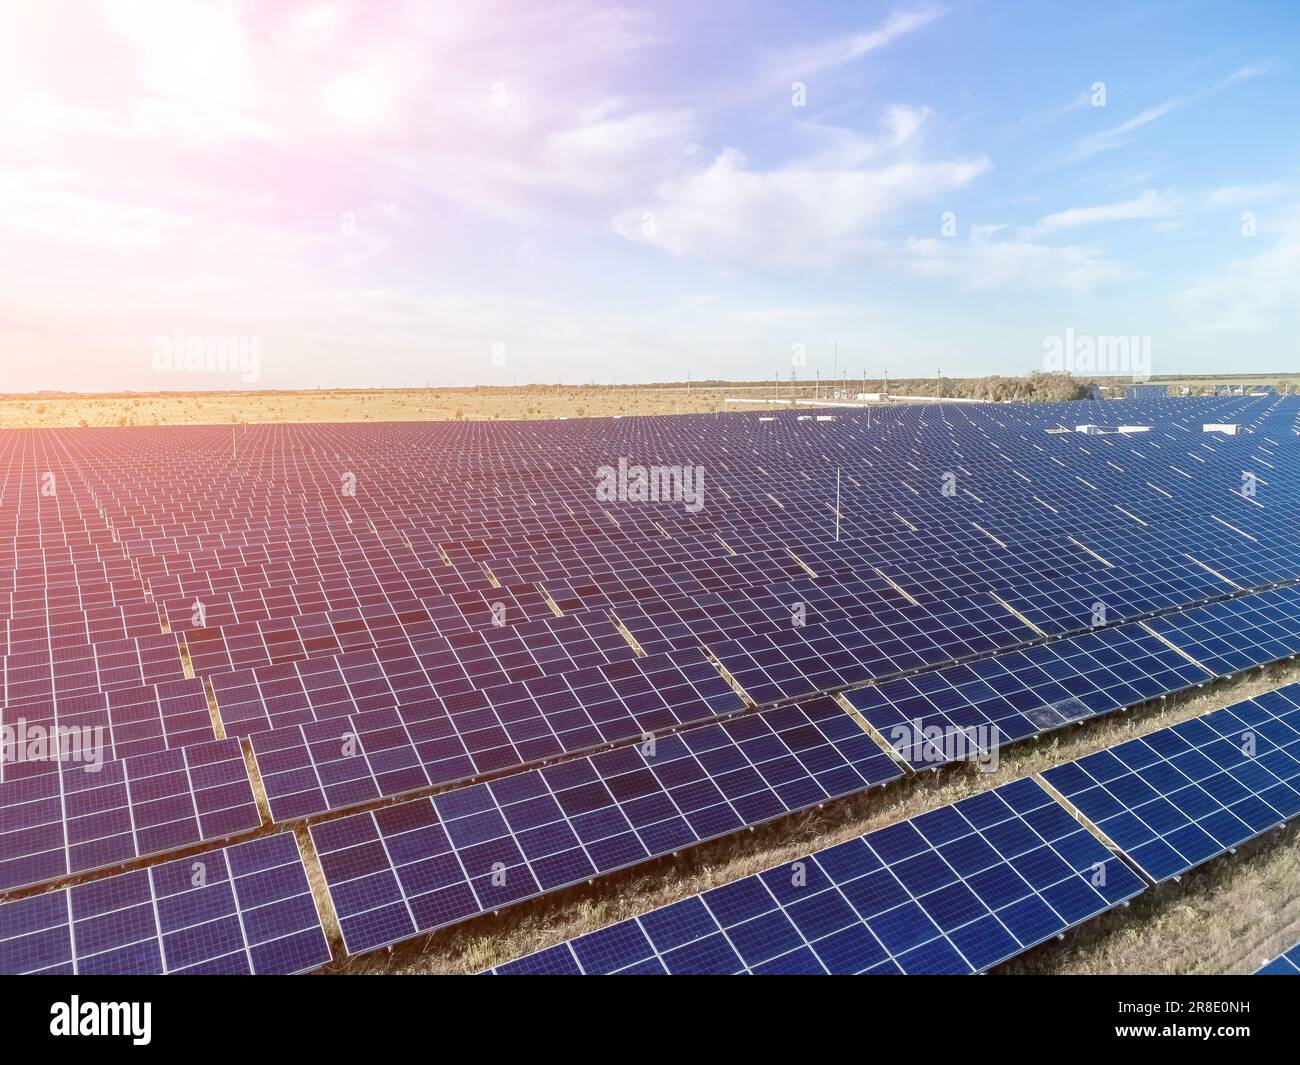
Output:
x=89 y=816
x=957 y=890
x=1178 y=797
x=801 y=660
x=1287 y=964
x=238 y=910
x=1023 y=693
x=1237 y=634
x=505 y=725
x=423 y=864
x=346 y=760
x=133 y=720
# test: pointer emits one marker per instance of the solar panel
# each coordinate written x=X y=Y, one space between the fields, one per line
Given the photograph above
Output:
x=803 y=660
x=1180 y=796
x=1287 y=964
x=1237 y=634
x=134 y=721
x=431 y=862
x=86 y=815
x=1021 y=693
x=957 y=890
x=245 y=909
x=640 y=693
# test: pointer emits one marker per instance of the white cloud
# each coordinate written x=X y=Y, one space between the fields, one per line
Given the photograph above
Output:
x=983 y=264
x=1149 y=205
x=1236 y=195
x=802 y=61
x=1256 y=294
x=1118 y=136
x=813 y=211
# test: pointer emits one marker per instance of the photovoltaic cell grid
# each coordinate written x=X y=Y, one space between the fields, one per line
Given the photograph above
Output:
x=427 y=863
x=1239 y=633
x=456 y=661
x=1185 y=794
x=957 y=890
x=1287 y=964
x=89 y=816
x=711 y=617
x=800 y=661
x=245 y=909
x=540 y=718
x=65 y=667
x=342 y=761
x=1023 y=693
x=135 y=721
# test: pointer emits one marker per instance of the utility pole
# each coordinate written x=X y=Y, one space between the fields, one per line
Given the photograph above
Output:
x=837 y=504
x=886 y=384
x=817 y=388
x=938 y=384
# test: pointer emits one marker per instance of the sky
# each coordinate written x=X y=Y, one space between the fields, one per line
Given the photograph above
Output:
x=388 y=194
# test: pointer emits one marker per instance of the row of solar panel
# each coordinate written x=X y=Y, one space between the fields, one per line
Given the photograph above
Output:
x=245 y=909
x=431 y=862
x=336 y=762
x=403 y=870
x=125 y=722
x=958 y=890
x=363 y=756
x=970 y=885
x=1026 y=692
x=79 y=813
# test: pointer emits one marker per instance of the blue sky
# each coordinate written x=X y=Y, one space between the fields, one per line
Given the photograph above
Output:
x=392 y=194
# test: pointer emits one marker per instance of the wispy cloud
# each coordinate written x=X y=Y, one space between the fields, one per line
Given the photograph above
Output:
x=1254 y=294
x=1149 y=205
x=1236 y=195
x=985 y=264
x=799 y=62
x=1124 y=133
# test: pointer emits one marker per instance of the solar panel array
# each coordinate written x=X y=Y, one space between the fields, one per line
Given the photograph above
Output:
x=86 y=816
x=965 y=887
x=381 y=610
x=424 y=864
x=1025 y=693
x=953 y=891
x=1185 y=794
x=245 y=909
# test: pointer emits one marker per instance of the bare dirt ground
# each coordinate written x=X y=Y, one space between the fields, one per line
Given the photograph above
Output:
x=1227 y=917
